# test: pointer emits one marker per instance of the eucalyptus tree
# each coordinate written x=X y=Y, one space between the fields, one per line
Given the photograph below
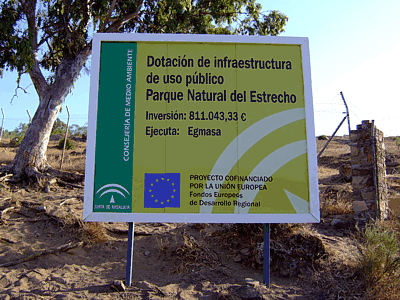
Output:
x=51 y=41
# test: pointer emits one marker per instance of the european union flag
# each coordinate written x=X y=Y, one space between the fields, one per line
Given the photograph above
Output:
x=162 y=190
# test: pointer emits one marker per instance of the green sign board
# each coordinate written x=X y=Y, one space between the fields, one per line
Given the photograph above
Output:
x=200 y=128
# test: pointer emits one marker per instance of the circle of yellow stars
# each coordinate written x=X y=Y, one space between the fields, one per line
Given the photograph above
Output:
x=168 y=200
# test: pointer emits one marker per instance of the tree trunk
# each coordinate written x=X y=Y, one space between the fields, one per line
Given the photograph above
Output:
x=31 y=155
x=31 y=160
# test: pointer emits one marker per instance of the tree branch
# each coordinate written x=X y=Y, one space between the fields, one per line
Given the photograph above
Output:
x=61 y=248
x=16 y=92
x=68 y=71
x=88 y=15
x=107 y=19
x=118 y=23
x=29 y=9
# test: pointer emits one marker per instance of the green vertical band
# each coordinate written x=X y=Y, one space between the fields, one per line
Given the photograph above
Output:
x=115 y=128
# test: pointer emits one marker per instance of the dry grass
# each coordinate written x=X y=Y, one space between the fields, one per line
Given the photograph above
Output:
x=193 y=256
x=163 y=244
x=336 y=200
x=93 y=233
x=337 y=279
x=87 y=232
x=74 y=160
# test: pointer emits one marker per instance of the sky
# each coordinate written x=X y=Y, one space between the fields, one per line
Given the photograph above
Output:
x=354 y=49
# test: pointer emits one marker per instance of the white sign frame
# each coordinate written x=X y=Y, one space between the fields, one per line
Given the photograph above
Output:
x=314 y=208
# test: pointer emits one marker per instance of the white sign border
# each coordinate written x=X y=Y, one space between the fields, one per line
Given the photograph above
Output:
x=90 y=216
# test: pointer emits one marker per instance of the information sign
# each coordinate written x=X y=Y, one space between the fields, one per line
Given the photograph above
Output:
x=200 y=128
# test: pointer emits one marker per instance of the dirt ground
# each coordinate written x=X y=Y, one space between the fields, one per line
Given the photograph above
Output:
x=47 y=252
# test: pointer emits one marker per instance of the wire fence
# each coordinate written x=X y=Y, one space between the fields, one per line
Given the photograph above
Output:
x=389 y=126
x=327 y=116
x=12 y=123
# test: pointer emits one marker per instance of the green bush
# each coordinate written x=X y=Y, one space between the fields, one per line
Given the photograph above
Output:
x=68 y=145
x=16 y=141
x=379 y=261
x=397 y=141
x=322 y=137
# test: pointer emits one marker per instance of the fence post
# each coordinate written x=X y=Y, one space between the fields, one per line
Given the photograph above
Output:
x=2 y=125
x=30 y=119
x=65 y=140
x=347 y=112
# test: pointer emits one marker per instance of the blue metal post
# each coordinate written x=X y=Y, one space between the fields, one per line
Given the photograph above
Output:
x=129 y=260
x=266 y=255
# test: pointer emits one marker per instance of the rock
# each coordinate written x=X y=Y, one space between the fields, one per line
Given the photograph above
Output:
x=259 y=253
x=248 y=293
x=252 y=282
x=118 y=285
x=237 y=258
x=245 y=251
x=340 y=224
x=346 y=172
x=42 y=208
x=290 y=269
x=336 y=222
x=359 y=206
x=241 y=292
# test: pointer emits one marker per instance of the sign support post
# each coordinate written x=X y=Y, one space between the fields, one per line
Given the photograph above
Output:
x=129 y=260
x=267 y=244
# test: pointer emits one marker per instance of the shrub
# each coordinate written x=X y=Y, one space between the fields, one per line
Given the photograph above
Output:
x=322 y=137
x=380 y=262
x=397 y=141
x=17 y=140
x=68 y=145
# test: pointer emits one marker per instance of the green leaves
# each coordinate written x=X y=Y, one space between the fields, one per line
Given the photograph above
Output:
x=62 y=26
x=15 y=51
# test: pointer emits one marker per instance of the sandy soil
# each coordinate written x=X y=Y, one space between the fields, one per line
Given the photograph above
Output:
x=47 y=252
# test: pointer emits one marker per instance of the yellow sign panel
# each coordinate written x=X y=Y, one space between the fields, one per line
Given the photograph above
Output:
x=223 y=131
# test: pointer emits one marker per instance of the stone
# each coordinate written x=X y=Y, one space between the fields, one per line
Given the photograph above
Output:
x=252 y=282
x=394 y=204
x=118 y=285
x=358 y=180
x=346 y=172
x=359 y=206
x=340 y=224
x=290 y=269
x=368 y=195
x=245 y=251
x=237 y=258
x=247 y=293
x=259 y=253
x=336 y=221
